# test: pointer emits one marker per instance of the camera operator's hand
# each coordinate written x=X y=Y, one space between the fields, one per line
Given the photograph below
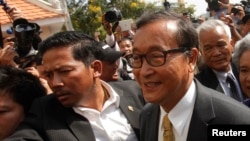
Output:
x=228 y=20
x=14 y=13
x=7 y=53
x=106 y=25
x=223 y=5
x=118 y=33
x=97 y=35
x=33 y=71
x=45 y=84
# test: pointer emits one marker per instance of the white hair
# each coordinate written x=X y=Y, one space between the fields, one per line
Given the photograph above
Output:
x=211 y=24
x=241 y=46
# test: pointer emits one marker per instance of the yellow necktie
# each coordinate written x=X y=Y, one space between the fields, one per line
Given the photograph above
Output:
x=167 y=126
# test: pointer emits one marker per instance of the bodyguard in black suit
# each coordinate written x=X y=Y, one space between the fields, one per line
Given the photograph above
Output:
x=51 y=121
x=83 y=107
x=163 y=61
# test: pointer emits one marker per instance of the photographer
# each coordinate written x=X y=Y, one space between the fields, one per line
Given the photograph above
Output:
x=115 y=35
x=7 y=52
x=110 y=22
x=19 y=50
x=217 y=7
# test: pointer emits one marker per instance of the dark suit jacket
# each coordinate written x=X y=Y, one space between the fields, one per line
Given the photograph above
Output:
x=209 y=108
x=48 y=120
x=208 y=78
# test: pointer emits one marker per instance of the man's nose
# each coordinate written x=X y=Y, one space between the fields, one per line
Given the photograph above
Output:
x=56 y=81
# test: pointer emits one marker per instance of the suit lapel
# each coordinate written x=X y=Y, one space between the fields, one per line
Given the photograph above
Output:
x=79 y=125
x=153 y=123
x=212 y=80
x=127 y=106
x=203 y=113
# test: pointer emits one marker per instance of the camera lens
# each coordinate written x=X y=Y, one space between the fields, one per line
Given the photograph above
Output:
x=23 y=27
x=111 y=16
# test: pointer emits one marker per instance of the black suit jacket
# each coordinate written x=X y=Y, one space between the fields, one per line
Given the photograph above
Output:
x=48 y=120
x=208 y=78
x=209 y=108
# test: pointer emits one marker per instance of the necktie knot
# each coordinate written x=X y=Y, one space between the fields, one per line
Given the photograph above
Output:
x=167 y=126
x=230 y=77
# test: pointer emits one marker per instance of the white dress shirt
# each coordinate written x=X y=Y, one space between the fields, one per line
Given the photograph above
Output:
x=110 y=124
x=110 y=40
x=180 y=115
x=222 y=76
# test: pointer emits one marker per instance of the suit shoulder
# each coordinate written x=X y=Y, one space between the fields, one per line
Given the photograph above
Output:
x=124 y=82
x=222 y=105
x=128 y=85
x=46 y=101
x=203 y=74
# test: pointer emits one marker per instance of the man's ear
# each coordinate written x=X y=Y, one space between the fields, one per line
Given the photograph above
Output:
x=232 y=44
x=97 y=67
x=193 y=57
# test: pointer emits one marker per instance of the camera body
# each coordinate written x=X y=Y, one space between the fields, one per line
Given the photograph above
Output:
x=236 y=8
x=113 y=14
x=246 y=4
x=25 y=33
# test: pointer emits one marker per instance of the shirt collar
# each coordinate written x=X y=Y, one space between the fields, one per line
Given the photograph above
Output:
x=113 y=96
x=113 y=99
x=222 y=75
x=180 y=114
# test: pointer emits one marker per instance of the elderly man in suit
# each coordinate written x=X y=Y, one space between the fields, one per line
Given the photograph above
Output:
x=163 y=61
x=216 y=51
x=83 y=107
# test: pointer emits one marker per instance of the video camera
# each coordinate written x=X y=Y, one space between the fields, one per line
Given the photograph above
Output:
x=236 y=8
x=26 y=36
x=24 y=33
x=113 y=14
x=26 y=39
x=246 y=4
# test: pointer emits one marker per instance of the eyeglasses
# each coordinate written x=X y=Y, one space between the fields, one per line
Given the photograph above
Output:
x=154 y=58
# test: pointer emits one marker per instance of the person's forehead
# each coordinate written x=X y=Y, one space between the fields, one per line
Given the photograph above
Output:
x=125 y=42
x=163 y=29
x=239 y=7
x=5 y=99
x=161 y=26
x=57 y=54
x=224 y=1
x=212 y=36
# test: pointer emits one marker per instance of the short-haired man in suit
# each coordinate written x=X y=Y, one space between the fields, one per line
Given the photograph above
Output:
x=216 y=51
x=83 y=107
x=163 y=61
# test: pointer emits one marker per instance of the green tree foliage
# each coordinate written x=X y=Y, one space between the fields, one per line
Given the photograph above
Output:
x=87 y=16
x=183 y=9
